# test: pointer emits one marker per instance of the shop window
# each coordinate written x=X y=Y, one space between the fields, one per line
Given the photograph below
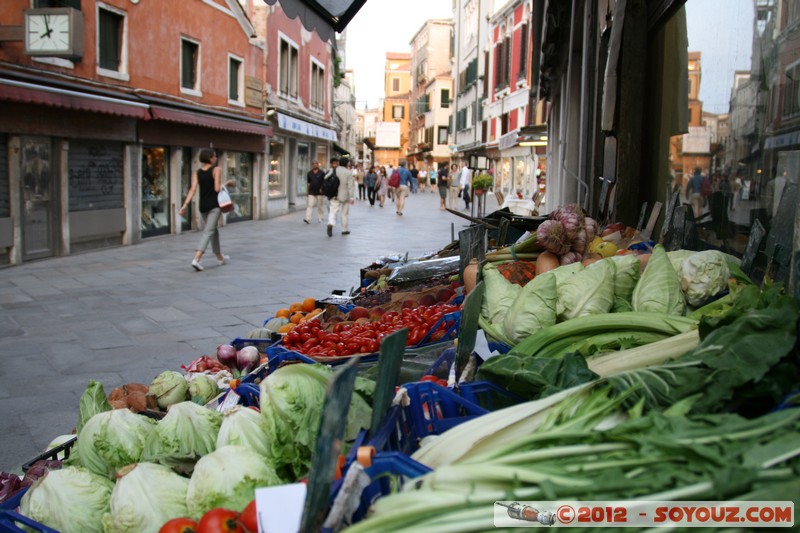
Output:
x=190 y=66
x=442 y=135
x=186 y=183
x=276 y=179
x=288 y=70
x=155 y=191
x=111 y=42
x=235 y=80
x=302 y=166
x=398 y=112
x=317 y=89
x=238 y=166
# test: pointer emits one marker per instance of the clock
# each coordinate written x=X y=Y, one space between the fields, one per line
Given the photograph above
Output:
x=54 y=32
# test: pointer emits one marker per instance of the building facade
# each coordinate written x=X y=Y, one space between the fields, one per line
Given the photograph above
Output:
x=431 y=94
x=298 y=71
x=99 y=133
x=391 y=142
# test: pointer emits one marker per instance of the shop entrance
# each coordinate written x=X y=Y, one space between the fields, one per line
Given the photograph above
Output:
x=37 y=170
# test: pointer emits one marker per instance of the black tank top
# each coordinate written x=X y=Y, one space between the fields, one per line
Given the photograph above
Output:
x=208 y=196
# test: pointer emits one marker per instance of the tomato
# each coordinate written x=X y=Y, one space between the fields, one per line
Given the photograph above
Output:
x=219 y=520
x=179 y=525
x=249 y=518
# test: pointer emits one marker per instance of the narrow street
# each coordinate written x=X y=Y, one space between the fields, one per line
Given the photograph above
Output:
x=126 y=314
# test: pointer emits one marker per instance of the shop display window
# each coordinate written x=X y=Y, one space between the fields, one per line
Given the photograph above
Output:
x=276 y=177
x=238 y=166
x=302 y=166
x=186 y=182
x=155 y=191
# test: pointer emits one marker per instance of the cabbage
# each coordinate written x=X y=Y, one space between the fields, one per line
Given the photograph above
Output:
x=677 y=257
x=292 y=398
x=93 y=401
x=187 y=432
x=146 y=496
x=627 y=270
x=565 y=272
x=228 y=478
x=703 y=275
x=70 y=499
x=169 y=388
x=244 y=426
x=499 y=296
x=202 y=389
x=659 y=289
x=533 y=309
x=113 y=439
x=589 y=292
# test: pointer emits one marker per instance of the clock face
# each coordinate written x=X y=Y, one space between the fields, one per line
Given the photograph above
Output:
x=48 y=33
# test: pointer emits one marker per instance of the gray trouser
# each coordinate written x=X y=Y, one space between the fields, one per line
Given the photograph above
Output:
x=210 y=231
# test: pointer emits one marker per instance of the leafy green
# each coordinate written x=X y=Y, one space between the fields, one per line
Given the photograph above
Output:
x=500 y=295
x=187 y=432
x=534 y=308
x=113 y=439
x=626 y=275
x=703 y=275
x=244 y=426
x=659 y=289
x=536 y=377
x=93 y=401
x=588 y=292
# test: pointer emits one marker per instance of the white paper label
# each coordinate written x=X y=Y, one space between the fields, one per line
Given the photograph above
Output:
x=482 y=346
x=231 y=400
x=280 y=509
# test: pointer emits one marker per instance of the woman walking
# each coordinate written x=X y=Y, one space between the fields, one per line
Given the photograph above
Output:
x=369 y=182
x=208 y=178
x=455 y=187
x=382 y=185
x=442 y=183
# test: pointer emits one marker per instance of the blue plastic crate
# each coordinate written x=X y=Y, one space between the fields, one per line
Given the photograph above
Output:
x=261 y=344
x=10 y=522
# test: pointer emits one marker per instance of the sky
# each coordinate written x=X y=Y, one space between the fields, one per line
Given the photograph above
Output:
x=388 y=25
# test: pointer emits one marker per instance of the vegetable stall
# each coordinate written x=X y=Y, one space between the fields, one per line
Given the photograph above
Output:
x=587 y=363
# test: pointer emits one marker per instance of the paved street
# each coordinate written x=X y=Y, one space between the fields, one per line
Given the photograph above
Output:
x=126 y=314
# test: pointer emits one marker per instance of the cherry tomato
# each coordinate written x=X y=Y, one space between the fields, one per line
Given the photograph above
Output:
x=249 y=518
x=179 y=525
x=219 y=520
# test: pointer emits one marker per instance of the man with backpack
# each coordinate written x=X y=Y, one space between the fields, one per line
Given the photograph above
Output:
x=338 y=187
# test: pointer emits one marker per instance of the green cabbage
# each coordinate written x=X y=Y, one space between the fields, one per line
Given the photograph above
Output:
x=72 y=499
x=659 y=289
x=146 y=496
x=589 y=291
x=202 y=389
x=677 y=257
x=627 y=270
x=291 y=402
x=703 y=275
x=244 y=426
x=93 y=401
x=169 y=388
x=533 y=309
x=113 y=439
x=499 y=296
x=228 y=478
x=187 y=432
x=565 y=272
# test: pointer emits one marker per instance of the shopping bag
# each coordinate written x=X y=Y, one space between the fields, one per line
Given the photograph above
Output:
x=224 y=200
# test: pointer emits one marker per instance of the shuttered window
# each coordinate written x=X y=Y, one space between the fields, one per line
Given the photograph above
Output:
x=95 y=175
x=110 y=39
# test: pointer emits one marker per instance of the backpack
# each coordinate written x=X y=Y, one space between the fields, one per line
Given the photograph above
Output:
x=394 y=181
x=705 y=187
x=330 y=187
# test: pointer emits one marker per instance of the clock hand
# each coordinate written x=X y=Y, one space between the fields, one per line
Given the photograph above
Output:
x=49 y=31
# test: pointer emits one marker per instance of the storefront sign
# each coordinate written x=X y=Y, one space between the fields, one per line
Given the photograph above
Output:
x=302 y=127
x=253 y=91
x=781 y=141
x=508 y=140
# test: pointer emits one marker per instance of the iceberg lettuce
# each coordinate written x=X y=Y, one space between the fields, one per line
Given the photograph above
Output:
x=113 y=439
x=703 y=275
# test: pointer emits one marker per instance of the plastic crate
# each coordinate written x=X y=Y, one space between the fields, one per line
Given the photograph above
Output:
x=10 y=523
x=261 y=344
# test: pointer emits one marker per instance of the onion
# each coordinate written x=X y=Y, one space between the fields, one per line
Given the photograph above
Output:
x=227 y=355
x=247 y=358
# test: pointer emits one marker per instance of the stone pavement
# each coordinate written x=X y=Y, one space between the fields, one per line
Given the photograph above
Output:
x=128 y=313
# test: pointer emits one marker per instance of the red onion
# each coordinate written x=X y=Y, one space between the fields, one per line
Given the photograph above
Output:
x=227 y=355
x=247 y=358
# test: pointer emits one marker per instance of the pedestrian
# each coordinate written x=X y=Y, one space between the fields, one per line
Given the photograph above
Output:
x=442 y=182
x=414 y=179
x=358 y=176
x=315 y=198
x=466 y=179
x=390 y=190
x=405 y=186
x=344 y=197
x=382 y=185
x=694 y=192
x=369 y=183
x=423 y=179
x=725 y=189
x=208 y=178
x=454 y=187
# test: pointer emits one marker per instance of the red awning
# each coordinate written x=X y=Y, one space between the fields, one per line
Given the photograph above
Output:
x=210 y=121
x=29 y=93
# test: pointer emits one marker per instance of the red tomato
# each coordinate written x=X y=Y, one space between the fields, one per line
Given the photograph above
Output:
x=219 y=520
x=179 y=525
x=249 y=518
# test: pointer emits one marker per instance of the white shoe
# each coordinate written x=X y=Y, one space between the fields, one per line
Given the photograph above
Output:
x=224 y=261
x=196 y=265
